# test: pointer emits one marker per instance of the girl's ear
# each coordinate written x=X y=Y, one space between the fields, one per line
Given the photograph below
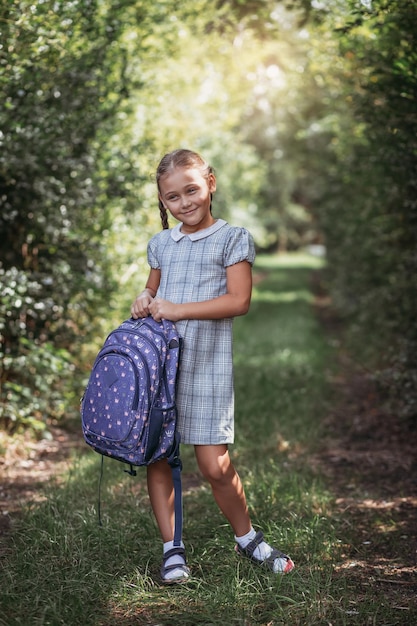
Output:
x=211 y=181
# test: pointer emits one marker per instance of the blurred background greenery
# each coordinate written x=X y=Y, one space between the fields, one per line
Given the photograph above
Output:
x=307 y=111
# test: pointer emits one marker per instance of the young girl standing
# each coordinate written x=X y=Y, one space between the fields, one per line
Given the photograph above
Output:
x=201 y=278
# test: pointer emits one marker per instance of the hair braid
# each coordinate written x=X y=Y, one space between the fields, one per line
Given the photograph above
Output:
x=164 y=215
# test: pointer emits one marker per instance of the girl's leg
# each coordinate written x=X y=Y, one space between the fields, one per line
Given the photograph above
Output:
x=215 y=465
x=161 y=495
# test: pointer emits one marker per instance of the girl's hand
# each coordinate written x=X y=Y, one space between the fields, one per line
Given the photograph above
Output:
x=140 y=307
x=163 y=309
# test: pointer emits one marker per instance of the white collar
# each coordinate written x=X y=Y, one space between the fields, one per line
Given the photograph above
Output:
x=176 y=233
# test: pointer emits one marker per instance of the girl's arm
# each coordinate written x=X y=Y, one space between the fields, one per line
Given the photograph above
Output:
x=235 y=302
x=140 y=307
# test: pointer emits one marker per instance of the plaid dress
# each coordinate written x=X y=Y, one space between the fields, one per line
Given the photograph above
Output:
x=193 y=269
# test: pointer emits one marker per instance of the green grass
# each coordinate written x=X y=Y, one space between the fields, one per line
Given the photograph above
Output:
x=61 y=568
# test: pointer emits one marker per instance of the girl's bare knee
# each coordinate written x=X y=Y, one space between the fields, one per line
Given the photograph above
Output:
x=215 y=474
x=214 y=464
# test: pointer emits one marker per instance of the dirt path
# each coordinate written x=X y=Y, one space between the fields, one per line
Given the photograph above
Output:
x=368 y=458
x=27 y=465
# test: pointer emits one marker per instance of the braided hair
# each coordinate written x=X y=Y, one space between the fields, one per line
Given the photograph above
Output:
x=180 y=158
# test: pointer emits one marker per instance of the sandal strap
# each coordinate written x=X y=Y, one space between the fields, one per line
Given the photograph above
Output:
x=276 y=554
x=176 y=551
x=165 y=569
x=252 y=545
x=169 y=568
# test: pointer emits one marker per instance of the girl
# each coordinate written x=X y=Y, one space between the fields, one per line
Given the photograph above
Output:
x=200 y=278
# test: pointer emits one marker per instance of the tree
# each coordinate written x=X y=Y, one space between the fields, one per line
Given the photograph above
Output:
x=367 y=207
x=63 y=83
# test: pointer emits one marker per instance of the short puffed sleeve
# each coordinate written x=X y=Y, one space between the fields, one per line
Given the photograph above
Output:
x=153 y=253
x=239 y=247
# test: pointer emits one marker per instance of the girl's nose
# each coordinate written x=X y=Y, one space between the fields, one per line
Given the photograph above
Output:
x=185 y=201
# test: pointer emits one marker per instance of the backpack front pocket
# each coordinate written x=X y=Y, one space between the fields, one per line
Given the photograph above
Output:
x=114 y=406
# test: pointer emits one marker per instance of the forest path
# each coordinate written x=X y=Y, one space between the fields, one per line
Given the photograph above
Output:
x=367 y=459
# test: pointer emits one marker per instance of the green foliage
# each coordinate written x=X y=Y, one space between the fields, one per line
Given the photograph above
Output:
x=50 y=79
x=343 y=147
x=372 y=208
x=38 y=380
x=53 y=270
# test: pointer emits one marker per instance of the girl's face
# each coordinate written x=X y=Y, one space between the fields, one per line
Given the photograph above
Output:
x=185 y=192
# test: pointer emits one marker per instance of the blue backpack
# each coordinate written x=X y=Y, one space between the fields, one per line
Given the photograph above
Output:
x=128 y=410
